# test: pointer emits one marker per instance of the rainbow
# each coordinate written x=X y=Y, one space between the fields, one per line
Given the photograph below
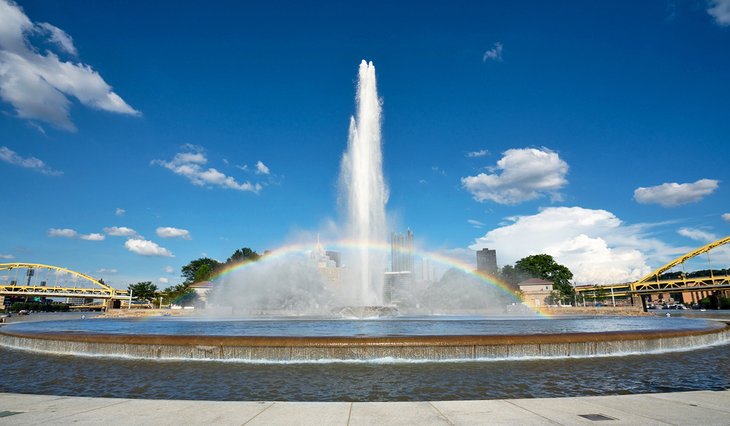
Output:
x=450 y=262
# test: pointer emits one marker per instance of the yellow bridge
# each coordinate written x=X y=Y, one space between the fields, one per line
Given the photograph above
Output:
x=39 y=280
x=653 y=284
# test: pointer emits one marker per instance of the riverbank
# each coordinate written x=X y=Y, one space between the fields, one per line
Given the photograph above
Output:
x=681 y=408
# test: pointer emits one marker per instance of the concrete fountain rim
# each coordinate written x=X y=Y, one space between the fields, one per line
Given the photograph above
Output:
x=363 y=341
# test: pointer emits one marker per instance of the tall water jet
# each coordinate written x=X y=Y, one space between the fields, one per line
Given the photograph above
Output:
x=365 y=192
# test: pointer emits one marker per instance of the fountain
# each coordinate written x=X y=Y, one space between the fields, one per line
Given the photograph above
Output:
x=288 y=306
x=362 y=181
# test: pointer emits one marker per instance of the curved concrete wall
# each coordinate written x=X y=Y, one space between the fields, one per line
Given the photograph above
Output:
x=422 y=348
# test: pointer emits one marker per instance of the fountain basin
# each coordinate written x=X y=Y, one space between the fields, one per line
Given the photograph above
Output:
x=333 y=348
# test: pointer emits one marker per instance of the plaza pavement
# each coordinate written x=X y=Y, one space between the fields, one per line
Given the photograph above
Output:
x=681 y=408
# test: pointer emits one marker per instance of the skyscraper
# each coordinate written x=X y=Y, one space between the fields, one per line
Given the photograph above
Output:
x=401 y=252
x=487 y=261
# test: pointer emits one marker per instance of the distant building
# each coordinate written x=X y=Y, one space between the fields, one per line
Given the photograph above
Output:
x=202 y=291
x=535 y=291
x=424 y=270
x=329 y=264
x=394 y=285
x=487 y=261
x=335 y=257
x=401 y=252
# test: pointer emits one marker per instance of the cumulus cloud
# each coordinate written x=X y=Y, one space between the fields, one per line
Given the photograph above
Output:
x=120 y=211
x=9 y=156
x=38 y=84
x=720 y=11
x=146 y=248
x=120 y=231
x=675 y=194
x=726 y=216
x=594 y=244
x=163 y=280
x=7 y=256
x=63 y=233
x=169 y=269
x=261 y=168
x=697 y=234
x=71 y=233
x=189 y=164
x=107 y=271
x=493 y=54
x=520 y=175
x=477 y=154
x=92 y=237
x=169 y=232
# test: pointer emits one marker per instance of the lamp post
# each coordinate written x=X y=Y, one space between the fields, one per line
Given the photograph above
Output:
x=129 y=305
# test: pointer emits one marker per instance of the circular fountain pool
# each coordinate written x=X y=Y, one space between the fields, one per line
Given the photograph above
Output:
x=401 y=339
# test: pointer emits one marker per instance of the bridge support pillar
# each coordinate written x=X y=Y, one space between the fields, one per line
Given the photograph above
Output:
x=638 y=298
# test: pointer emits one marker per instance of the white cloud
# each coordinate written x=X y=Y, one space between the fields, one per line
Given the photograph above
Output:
x=594 y=244
x=720 y=10
x=146 y=248
x=64 y=233
x=7 y=256
x=107 y=271
x=120 y=231
x=189 y=164
x=59 y=37
x=477 y=154
x=475 y=223
x=163 y=280
x=726 y=216
x=169 y=269
x=526 y=174
x=71 y=233
x=120 y=211
x=10 y=156
x=697 y=234
x=169 y=232
x=494 y=54
x=676 y=194
x=261 y=168
x=38 y=84
x=92 y=237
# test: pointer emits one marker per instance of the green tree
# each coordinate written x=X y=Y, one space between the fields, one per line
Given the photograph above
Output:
x=513 y=276
x=199 y=270
x=143 y=290
x=243 y=254
x=545 y=267
x=178 y=294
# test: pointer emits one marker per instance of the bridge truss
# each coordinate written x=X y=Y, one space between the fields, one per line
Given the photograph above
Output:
x=652 y=283
x=59 y=282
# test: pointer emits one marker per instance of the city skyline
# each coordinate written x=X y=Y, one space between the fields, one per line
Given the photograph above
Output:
x=134 y=145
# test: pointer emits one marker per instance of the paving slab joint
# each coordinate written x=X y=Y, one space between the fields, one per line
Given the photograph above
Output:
x=440 y=413
x=258 y=414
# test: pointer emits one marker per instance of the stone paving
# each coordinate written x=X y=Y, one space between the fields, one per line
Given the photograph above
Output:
x=681 y=408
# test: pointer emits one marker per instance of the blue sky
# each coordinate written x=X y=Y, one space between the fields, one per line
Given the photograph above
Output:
x=596 y=132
